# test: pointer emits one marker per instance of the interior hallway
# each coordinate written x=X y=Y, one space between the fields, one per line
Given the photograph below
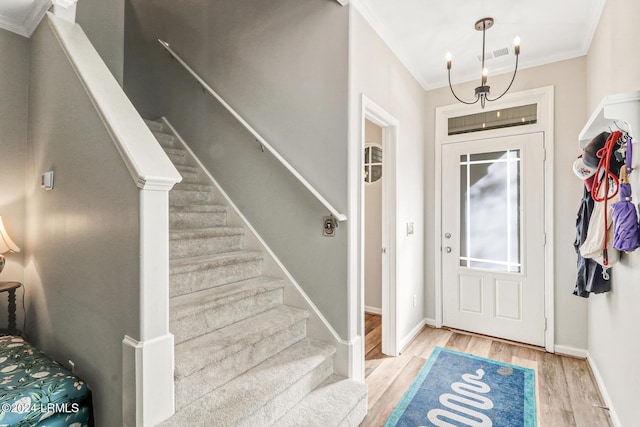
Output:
x=565 y=390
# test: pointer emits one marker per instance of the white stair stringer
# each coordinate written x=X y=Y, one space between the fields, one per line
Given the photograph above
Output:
x=242 y=357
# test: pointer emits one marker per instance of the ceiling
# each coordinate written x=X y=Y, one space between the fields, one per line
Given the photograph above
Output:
x=421 y=32
x=22 y=16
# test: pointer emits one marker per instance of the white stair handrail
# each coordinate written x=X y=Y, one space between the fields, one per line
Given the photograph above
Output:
x=339 y=216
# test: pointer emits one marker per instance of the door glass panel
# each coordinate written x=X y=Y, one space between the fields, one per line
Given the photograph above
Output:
x=490 y=211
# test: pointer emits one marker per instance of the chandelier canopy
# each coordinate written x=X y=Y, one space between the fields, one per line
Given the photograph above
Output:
x=483 y=91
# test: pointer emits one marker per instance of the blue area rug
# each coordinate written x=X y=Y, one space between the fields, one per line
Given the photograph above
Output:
x=459 y=389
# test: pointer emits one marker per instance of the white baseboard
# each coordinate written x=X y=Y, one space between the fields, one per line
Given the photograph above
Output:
x=603 y=391
x=373 y=310
x=430 y=322
x=570 y=351
x=411 y=335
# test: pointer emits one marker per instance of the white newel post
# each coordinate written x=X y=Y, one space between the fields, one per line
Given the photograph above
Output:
x=148 y=384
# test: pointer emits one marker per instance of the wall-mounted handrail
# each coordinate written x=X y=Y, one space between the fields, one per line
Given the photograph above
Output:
x=339 y=216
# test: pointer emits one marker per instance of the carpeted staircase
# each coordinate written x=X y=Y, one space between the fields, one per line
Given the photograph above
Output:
x=241 y=356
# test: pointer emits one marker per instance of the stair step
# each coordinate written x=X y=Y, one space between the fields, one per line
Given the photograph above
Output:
x=184 y=194
x=198 y=273
x=155 y=126
x=197 y=216
x=263 y=394
x=200 y=312
x=209 y=361
x=336 y=402
x=166 y=140
x=178 y=156
x=189 y=176
x=204 y=241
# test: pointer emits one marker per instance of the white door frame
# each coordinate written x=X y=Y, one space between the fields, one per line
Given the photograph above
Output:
x=544 y=98
x=389 y=124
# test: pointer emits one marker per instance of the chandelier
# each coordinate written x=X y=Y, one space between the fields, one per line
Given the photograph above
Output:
x=483 y=91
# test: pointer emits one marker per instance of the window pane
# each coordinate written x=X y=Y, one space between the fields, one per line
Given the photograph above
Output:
x=487 y=120
x=366 y=155
x=366 y=174
x=376 y=155
x=490 y=211
x=376 y=172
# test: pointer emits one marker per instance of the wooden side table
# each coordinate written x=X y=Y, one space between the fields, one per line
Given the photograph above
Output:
x=11 y=287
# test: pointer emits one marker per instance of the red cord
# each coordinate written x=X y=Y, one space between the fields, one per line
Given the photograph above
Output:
x=604 y=154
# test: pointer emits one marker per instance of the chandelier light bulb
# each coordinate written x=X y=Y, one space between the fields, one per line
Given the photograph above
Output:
x=485 y=72
x=516 y=45
x=448 y=60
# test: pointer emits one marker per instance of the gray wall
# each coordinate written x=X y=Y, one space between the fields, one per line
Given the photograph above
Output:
x=569 y=80
x=14 y=80
x=103 y=22
x=377 y=73
x=283 y=66
x=82 y=250
x=612 y=67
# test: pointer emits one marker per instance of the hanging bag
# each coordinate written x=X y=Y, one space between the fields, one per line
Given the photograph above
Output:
x=626 y=232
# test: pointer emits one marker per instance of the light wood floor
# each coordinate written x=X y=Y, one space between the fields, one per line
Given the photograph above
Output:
x=565 y=390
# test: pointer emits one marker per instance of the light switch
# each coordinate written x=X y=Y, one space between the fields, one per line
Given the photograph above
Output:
x=47 y=180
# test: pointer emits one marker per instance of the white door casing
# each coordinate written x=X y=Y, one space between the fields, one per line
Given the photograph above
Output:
x=389 y=124
x=493 y=237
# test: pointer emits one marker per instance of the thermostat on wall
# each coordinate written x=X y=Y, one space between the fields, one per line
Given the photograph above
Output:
x=47 y=180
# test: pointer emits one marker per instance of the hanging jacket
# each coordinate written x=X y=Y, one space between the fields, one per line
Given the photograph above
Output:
x=589 y=278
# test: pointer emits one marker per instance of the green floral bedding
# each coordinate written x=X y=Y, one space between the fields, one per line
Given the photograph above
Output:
x=36 y=391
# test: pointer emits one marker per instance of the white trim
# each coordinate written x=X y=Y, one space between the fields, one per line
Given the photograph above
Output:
x=148 y=165
x=318 y=326
x=389 y=124
x=147 y=381
x=412 y=334
x=373 y=310
x=544 y=98
x=571 y=351
x=615 y=420
x=430 y=322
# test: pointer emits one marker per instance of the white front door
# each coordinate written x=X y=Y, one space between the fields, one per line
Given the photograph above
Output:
x=493 y=237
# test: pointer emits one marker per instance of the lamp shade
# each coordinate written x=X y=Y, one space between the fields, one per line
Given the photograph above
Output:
x=6 y=244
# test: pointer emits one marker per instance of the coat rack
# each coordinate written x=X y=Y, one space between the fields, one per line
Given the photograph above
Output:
x=613 y=111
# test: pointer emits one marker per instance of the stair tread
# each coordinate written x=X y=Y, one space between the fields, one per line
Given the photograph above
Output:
x=186 y=305
x=215 y=259
x=187 y=169
x=204 y=208
x=328 y=405
x=200 y=233
x=197 y=353
x=192 y=187
x=154 y=125
x=242 y=396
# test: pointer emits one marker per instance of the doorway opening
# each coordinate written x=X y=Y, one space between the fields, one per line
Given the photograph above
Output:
x=378 y=249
